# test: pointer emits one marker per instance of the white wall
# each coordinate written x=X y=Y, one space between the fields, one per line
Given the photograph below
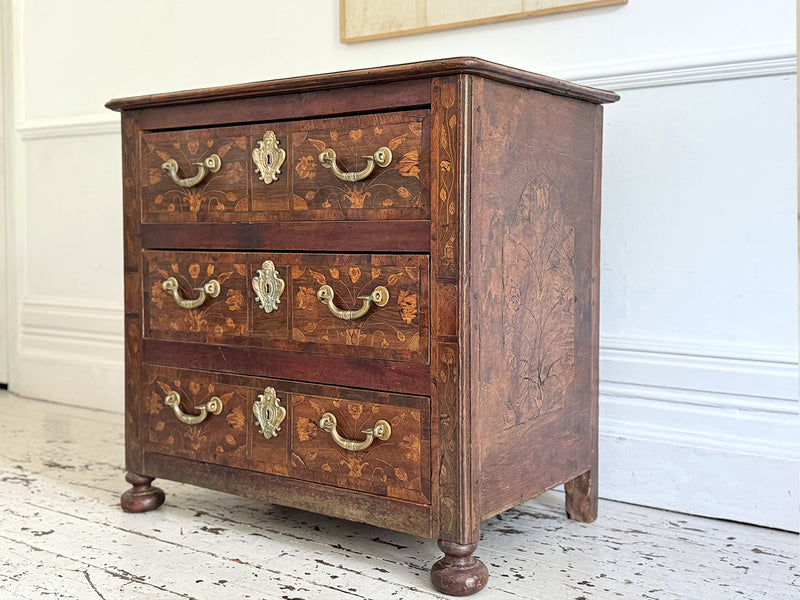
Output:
x=699 y=302
x=6 y=130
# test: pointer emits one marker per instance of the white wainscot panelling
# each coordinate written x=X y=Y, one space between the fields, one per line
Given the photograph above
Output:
x=70 y=314
x=73 y=237
x=701 y=429
x=71 y=351
x=699 y=245
x=63 y=38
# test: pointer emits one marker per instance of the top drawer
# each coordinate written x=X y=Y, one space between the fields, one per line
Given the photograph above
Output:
x=275 y=171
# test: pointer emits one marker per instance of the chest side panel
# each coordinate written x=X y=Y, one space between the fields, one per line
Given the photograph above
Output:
x=532 y=265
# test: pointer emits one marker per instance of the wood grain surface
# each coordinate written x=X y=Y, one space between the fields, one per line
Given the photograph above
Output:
x=533 y=275
x=301 y=322
x=405 y=73
x=304 y=189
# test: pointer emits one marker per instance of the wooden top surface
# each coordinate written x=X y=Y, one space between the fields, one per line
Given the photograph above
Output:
x=341 y=79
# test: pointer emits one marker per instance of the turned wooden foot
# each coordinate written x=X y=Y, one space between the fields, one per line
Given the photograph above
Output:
x=142 y=496
x=581 y=500
x=459 y=573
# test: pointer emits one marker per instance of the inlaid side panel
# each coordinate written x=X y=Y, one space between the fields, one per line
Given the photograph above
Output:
x=533 y=231
x=537 y=302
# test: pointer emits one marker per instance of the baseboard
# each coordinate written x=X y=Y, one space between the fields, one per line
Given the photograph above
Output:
x=68 y=379
x=717 y=483
x=703 y=429
x=71 y=352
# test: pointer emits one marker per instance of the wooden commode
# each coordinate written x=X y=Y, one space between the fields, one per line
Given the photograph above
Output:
x=370 y=294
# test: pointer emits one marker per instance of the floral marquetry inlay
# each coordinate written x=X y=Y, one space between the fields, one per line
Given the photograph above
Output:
x=220 y=438
x=398 y=185
x=221 y=191
x=391 y=467
x=538 y=340
x=446 y=196
x=224 y=315
x=395 y=325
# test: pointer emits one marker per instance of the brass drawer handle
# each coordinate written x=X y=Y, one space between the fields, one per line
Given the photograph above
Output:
x=382 y=156
x=380 y=296
x=213 y=406
x=268 y=286
x=211 y=164
x=212 y=288
x=269 y=413
x=382 y=431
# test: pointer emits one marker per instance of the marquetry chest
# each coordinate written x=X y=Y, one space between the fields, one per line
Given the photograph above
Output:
x=370 y=294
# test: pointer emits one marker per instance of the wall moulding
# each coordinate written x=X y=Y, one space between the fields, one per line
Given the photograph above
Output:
x=725 y=375
x=56 y=127
x=740 y=63
x=762 y=61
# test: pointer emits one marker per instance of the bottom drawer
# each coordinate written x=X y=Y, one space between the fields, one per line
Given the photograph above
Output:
x=360 y=440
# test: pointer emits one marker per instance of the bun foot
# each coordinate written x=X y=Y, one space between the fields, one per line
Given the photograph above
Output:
x=459 y=573
x=142 y=496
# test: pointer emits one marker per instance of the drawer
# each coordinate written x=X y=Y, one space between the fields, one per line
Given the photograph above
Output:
x=308 y=432
x=392 y=292
x=377 y=443
x=274 y=171
x=174 y=424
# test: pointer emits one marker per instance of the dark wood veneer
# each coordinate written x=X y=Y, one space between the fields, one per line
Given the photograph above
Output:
x=498 y=234
x=307 y=236
x=405 y=73
x=399 y=515
x=411 y=378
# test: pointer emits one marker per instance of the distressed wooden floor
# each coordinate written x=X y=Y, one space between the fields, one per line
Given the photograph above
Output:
x=62 y=535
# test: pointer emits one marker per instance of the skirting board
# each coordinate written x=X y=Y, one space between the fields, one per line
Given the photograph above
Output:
x=70 y=352
x=714 y=482
x=701 y=429
x=66 y=379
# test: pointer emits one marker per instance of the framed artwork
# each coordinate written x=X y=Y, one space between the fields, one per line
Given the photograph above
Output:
x=362 y=20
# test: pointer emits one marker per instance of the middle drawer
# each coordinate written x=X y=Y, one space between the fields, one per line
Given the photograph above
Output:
x=365 y=305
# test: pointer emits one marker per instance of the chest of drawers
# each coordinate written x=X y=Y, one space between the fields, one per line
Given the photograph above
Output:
x=370 y=294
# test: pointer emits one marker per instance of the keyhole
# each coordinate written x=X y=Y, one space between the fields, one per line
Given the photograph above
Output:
x=269 y=159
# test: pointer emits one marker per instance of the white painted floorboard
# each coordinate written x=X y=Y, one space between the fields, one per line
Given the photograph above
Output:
x=63 y=535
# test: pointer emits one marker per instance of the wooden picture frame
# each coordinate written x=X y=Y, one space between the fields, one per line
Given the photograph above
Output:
x=364 y=20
